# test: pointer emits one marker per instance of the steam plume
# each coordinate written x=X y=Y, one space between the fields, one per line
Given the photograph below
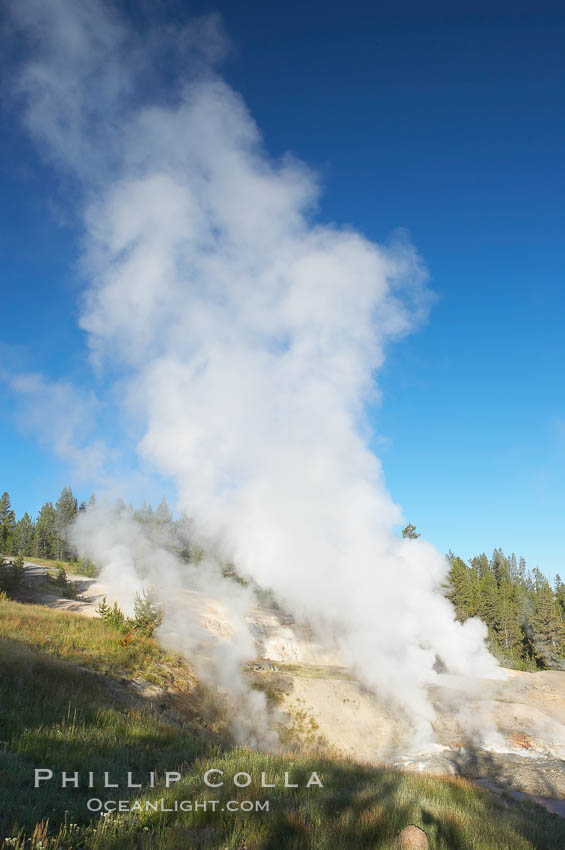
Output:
x=245 y=333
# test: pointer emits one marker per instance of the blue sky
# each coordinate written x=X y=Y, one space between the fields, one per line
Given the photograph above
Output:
x=446 y=121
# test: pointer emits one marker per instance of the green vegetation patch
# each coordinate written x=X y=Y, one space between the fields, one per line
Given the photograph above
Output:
x=59 y=713
x=86 y=641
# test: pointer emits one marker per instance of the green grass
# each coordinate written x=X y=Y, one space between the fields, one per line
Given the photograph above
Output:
x=87 y=642
x=73 y=567
x=49 y=562
x=58 y=711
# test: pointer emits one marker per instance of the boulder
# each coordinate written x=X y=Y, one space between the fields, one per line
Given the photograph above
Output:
x=412 y=838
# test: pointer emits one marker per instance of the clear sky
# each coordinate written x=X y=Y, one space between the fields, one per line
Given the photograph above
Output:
x=442 y=119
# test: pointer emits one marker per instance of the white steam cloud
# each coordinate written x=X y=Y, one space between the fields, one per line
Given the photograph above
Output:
x=245 y=334
x=203 y=614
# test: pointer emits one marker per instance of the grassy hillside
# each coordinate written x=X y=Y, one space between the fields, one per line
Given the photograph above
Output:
x=80 y=568
x=74 y=697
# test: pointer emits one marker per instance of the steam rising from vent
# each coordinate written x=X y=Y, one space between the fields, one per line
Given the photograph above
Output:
x=203 y=614
x=245 y=336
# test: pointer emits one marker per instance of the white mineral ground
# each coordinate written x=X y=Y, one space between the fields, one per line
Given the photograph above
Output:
x=507 y=734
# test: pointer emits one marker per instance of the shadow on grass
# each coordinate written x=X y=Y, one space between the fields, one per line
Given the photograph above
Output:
x=359 y=809
x=65 y=718
x=57 y=716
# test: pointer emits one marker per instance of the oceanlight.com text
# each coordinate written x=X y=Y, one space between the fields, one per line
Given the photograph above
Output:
x=95 y=804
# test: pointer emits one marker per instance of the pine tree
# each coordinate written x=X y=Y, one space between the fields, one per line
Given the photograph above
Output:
x=11 y=575
x=500 y=567
x=459 y=588
x=148 y=614
x=560 y=597
x=526 y=609
x=45 y=532
x=66 y=509
x=522 y=570
x=24 y=535
x=113 y=616
x=507 y=627
x=481 y=564
x=7 y=525
x=549 y=634
x=162 y=514
x=410 y=532
x=488 y=598
x=144 y=514
x=539 y=580
x=474 y=581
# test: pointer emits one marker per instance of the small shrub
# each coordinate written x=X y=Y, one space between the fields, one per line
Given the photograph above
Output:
x=61 y=578
x=103 y=608
x=113 y=616
x=148 y=614
x=230 y=572
x=86 y=568
x=18 y=569
x=68 y=588
x=11 y=575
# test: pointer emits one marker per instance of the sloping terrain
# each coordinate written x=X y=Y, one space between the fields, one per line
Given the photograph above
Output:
x=72 y=697
x=510 y=733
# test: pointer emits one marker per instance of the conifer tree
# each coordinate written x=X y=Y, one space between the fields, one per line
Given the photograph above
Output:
x=489 y=598
x=459 y=588
x=148 y=614
x=508 y=632
x=549 y=634
x=500 y=567
x=7 y=525
x=66 y=510
x=162 y=514
x=522 y=570
x=481 y=564
x=24 y=535
x=560 y=597
x=45 y=532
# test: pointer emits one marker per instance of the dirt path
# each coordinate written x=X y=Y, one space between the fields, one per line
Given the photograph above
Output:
x=37 y=590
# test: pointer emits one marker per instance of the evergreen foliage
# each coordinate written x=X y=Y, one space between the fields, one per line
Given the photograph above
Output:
x=7 y=525
x=524 y=615
x=46 y=537
x=45 y=532
x=11 y=575
x=148 y=614
x=67 y=588
x=113 y=616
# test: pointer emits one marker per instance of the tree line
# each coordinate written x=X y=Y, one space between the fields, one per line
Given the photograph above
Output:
x=42 y=537
x=46 y=536
x=524 y=614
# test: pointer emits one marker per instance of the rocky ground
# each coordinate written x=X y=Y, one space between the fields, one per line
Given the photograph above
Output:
x=508 y=735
